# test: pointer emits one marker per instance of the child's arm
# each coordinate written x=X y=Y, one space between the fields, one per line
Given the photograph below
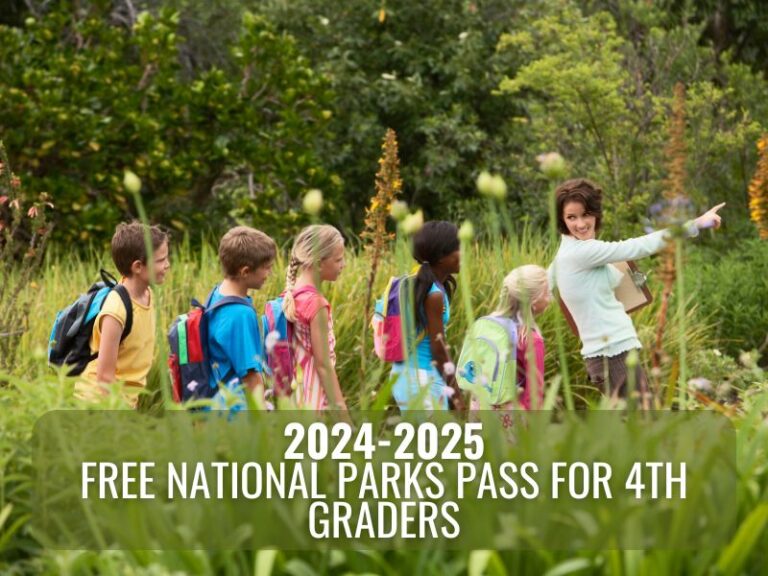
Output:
x=254 y=383
x=106 y=365
x=534 y=372
x=318 y=334
x=433 y=306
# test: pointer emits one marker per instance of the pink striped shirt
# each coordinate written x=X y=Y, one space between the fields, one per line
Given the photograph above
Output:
x=308 y=303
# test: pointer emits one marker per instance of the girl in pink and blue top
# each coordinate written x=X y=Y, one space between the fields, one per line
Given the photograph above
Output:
x=317 y=255
x=429 y=374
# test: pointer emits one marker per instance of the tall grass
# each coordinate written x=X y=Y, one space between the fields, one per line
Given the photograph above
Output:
x=32 y=390
x=195 y=271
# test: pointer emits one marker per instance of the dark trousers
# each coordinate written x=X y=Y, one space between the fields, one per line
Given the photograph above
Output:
x=613 y=370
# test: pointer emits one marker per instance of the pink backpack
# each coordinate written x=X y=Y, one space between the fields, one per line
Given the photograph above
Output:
x=388 y=322
x=281 y=359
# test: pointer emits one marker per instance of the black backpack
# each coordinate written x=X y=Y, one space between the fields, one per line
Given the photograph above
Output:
x=69 y=342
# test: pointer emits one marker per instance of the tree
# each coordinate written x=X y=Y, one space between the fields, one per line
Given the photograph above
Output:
x=602 y=99
x=84 y=98
x=425 y=70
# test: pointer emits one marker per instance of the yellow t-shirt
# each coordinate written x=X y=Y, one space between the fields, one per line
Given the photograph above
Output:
x=135 y=354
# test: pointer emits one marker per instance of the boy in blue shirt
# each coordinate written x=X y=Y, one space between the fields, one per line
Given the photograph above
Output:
x=234 y=342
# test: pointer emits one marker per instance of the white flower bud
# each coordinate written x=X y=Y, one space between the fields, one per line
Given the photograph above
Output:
x=552 y=165
x=413 y=223
x=632 y=359
x=398 y=210
x=131 y=182
x=313 y=202
x=467 y=231
x=491 y=185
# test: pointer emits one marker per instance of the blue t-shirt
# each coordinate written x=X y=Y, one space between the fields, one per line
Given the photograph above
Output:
x=234 y=341
x=423 y=351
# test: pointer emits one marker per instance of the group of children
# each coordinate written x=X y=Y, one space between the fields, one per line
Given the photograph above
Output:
x=237 y=346
x=122 y=341
x=235 y=343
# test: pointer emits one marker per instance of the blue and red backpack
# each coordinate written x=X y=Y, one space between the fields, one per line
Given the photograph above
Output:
x=189 y=358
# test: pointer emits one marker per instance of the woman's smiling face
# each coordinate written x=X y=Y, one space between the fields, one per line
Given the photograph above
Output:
x=581 y=225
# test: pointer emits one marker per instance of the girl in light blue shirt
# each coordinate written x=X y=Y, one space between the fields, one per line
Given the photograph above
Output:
x=429 y=373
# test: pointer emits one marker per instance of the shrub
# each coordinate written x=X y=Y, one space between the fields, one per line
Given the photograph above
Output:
x=731 y=289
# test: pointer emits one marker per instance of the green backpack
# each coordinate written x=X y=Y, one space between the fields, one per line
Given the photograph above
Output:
x=489 y=359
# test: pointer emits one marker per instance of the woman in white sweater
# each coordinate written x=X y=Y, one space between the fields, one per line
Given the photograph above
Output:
x=586 y=282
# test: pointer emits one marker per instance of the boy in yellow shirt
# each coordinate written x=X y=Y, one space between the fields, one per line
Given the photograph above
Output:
x=129 y=360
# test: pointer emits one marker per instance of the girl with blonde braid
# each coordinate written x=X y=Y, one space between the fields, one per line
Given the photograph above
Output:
x=317 y=255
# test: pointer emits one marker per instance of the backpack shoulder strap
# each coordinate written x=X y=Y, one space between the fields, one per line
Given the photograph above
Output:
x=210 y=296
x=108 y=279
x=404 y=293
x=302 y=289
x=226 y=300
x=260 y=320
x=122 y=291
x=508 y=324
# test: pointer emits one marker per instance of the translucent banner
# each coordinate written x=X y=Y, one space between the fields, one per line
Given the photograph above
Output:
x=296 y=480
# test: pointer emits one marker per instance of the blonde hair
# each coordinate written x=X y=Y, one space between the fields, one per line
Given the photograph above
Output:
x=244 y=246
x=313 y=245
x=520 y=289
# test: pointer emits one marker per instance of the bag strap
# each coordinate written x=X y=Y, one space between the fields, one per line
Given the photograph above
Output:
x=226 y=300
x=223 y=301
x=108 y=279
x=260 y=319
x=122 y=291
x=302 y=289
x=403 y=296
x=508 y=324
x=208 y=308
x=112 y=283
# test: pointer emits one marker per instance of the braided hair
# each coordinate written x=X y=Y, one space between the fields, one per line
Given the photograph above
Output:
x=313 y=245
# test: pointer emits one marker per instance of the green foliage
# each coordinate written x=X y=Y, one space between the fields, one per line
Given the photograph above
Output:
x=33 y=390
x=600 y=93
x=740 y=26
x=721 y=377
x=226 y=116
x=425 y=70
x=85 y=98
x=229 y=116
x=731 y=287
x=24 y=231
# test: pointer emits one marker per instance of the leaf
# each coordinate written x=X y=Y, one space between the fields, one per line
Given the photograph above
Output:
x=4 y=513
x=478 y=560
x=483 y=562
x=571 y=566
x=551 y=397
x=265 y=562
x=297 y=567
x=733 y=558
